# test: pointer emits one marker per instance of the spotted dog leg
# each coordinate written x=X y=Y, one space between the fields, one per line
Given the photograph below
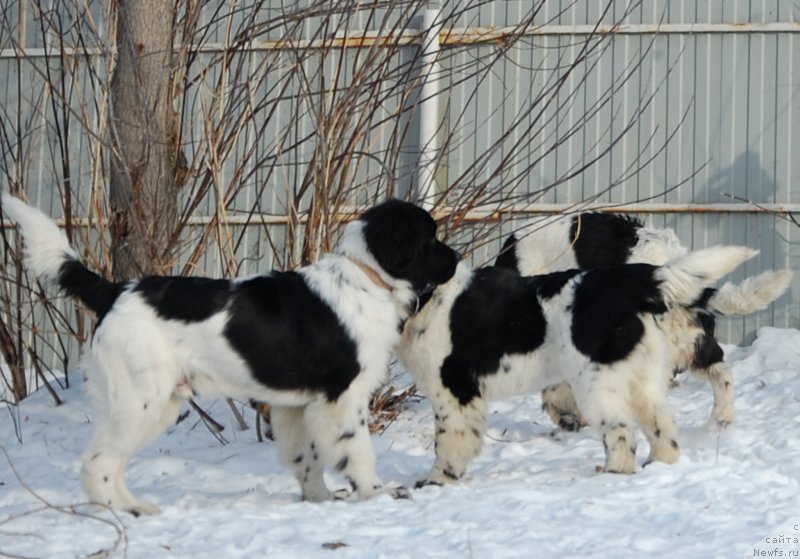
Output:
x=620 y=446
x=604 y=396
x=659 y=427
x=339 y=433
x=721 y=380
x=296 y=451
x=459 y=437
x=135 y=421
x=559 y=403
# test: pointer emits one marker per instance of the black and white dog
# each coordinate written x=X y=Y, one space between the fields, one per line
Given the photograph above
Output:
x=314 y=343
x=598 y=240
x=491 y=333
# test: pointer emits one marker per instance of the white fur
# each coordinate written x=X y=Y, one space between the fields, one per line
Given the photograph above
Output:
x=536 y=255
x=680 y=276
x=140 y=367
x=613 y=397
x=136 y=358
x=541 y=247
x=753 y=294
x=656 y=246
x=47 y=247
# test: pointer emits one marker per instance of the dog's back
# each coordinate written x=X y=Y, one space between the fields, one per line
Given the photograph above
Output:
x=596 y=240
x=491 y=333
x=586 y=241
x=314 y=343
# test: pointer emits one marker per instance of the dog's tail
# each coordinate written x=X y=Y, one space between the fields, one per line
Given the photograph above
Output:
x=684 y=279
x=753 y=294
x=49 y=256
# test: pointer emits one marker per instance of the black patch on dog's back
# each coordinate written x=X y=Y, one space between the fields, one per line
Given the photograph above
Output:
x=550 y=285
x=182 y=298
x=508 y=255
x=603 y=240
x=497 y=314
x=605 y=321
x=289 y=337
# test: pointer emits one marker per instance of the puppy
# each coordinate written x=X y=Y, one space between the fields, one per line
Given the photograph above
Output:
x=597 y=240
x=490 y=333
x=314 y=343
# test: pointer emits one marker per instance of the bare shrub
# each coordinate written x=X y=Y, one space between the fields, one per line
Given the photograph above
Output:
x=292 y=118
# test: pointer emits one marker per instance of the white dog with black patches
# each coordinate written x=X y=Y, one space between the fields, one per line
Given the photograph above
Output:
x=491 y=333
x=598 y=240
x=314 y=343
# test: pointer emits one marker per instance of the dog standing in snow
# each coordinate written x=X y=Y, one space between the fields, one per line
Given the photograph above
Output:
x=315 y=343
x=598 y=240
x=490 y=333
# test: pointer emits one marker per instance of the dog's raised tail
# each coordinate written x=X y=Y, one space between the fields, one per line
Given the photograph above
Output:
x=49 y=256
x=684 y=279
x=753 y=294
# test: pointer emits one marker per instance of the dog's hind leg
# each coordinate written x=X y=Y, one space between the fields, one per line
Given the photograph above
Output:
x=127 y=427
x=619 y=443
x=298 y=453
x=655 y=418
x=559 y=403
x=604 y=397
x=721 y=380
x=459 y=436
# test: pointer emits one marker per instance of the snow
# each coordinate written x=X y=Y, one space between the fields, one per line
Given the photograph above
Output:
x=531 y=493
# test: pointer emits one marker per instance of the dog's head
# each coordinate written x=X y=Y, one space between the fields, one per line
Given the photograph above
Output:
x=401 y=239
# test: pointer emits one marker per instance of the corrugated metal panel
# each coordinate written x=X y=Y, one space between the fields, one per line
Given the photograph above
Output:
x=731 y=100
x=725 y=97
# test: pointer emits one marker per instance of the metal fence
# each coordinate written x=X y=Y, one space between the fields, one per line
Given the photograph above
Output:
x=707 y=93
x=726 y=81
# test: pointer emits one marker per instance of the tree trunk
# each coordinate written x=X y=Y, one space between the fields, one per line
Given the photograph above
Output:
x=144 y=139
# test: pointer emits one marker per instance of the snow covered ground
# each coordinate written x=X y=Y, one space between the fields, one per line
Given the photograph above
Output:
x=734 y=493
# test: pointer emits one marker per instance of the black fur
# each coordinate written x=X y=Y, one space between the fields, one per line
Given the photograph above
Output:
x=402 y=237
x=605 y=321
x=289 y=337
x=707 y=351
x=185 y=299
x=500 y=314
x=508 y=255
x=705 y=297
x=550 y=285
x=602 y=240
x=94 y=291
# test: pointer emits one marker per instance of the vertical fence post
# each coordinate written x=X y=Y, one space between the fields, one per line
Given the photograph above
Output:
x=429 y=118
